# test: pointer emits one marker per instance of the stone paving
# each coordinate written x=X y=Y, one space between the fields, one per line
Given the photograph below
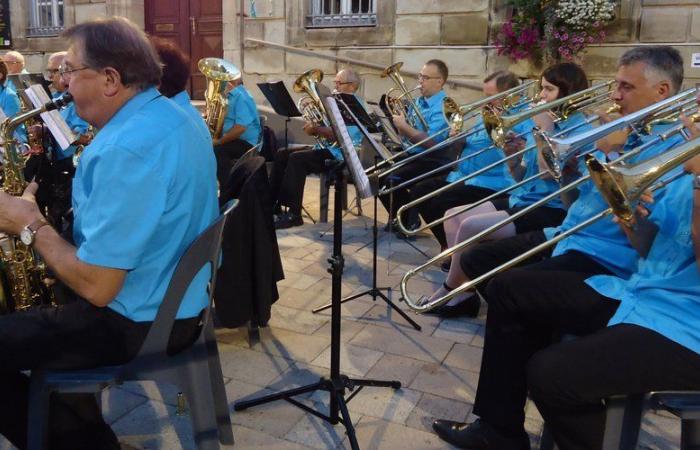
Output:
x=438 y=366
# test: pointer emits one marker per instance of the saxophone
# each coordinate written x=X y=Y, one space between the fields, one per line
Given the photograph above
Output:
x=23 y=275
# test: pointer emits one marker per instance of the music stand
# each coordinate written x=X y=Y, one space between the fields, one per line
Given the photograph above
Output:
x=337 y=383
x=281 y=102
x=352 y=107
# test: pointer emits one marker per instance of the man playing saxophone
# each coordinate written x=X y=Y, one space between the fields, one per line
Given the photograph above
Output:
x=528 y=305
x=143 y=191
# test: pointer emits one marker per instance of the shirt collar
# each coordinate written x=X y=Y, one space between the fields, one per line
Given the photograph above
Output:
x=132 y=106
x=435 y=99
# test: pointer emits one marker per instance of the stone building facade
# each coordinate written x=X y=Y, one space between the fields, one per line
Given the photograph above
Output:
x=458 y=31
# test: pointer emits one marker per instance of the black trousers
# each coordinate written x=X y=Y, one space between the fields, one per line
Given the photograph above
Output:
x=289 y=174
x=567 y=381
x=397 y=199
x=226 y=155
x=528 y=306
x=73 y=336
x=436 y=207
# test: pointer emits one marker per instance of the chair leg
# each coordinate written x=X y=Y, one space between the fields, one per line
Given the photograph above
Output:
x=38 y=414
x=622 y=422
x=690 y=434
x=197 y=386
x=218 y=389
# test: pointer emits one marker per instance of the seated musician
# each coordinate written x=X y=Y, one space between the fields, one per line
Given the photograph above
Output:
x=557 y=81
x=291 y=166
x=241 y=131
x=143 y=191
x=176 y=75
x=62 y=169
x=529 y=304
x=432 y=79
x=9 y=101
x=14 y=61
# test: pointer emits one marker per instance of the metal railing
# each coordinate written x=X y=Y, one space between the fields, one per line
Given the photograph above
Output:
x=355 y=62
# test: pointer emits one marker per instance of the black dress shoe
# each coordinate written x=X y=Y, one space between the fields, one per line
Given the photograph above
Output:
x=468 y=307
x=446 y=264
x=288 y=220
x=478 y=435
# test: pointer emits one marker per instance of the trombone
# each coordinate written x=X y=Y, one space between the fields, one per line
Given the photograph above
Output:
x=451 y=110
x=601 y=131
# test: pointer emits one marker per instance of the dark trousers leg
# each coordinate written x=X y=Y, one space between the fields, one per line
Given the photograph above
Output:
x=226 y=154
x=279 y=167
x=568 y=381
x=299 y=165
x=527 y=306
x=436 y=207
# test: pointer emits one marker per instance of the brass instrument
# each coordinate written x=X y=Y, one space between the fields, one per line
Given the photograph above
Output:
x=601 y=131
x=218 y=73
x=311 y=105
x=25 y=274
x=403 y=103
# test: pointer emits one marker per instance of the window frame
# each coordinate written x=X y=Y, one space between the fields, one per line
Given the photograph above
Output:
x=46 y=23
x=343 y=18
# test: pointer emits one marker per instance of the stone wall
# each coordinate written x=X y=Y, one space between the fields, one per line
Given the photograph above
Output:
x=458 y=31
x=36 y=50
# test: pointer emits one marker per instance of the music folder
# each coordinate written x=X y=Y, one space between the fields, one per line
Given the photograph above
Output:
x=378 y=147
x=54 y=121
x=357 y=172
x=280 y=100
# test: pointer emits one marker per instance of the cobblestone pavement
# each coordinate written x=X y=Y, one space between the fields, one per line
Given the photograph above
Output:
x=438 y=366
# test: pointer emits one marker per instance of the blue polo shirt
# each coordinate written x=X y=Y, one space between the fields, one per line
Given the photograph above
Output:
x=144 y=190
x=76 y=124
x=496 y=178
x=664 y=293
x=11 y=106
x=242 y=111
x=603 y=241
x=431 y=108
x=182 y=99
x=540 y=188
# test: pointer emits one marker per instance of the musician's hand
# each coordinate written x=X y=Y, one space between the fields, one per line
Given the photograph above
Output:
x=641 y=211
x=613 y=142
x=544 y=121
x=216 y=141
x=18 y=212
x=693 y=127
x=400 y=122
x=604 y=117
x=310 y=129
x=513 y=144
x=693 y=166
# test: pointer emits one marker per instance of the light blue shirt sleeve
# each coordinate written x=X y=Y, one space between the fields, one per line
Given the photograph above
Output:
x=243 y=111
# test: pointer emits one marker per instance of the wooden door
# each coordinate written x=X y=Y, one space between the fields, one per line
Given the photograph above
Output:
x=195 y=25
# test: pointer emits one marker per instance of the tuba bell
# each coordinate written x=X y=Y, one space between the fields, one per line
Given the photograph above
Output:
x=218 y=73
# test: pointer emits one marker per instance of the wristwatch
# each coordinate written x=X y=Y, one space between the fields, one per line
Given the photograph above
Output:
x=696 y=182
x=29 y=232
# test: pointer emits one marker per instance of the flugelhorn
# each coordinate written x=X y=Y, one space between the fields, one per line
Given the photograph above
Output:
x=310 y=105
x=403 y=103
x=218 y=73
x=424 y=307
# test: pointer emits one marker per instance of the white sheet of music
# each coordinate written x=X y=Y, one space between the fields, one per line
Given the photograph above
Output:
x=57 y=125
x=353 y=162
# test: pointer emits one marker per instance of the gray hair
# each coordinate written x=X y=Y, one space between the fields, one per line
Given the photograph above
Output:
x=16 y=55
x=351 y=77
x=117 y=43
x=662 y=63
x=57 y=55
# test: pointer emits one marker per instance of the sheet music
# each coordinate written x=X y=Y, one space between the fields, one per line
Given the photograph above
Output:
x=357 y=172
x=378 y=147
x=54 y=121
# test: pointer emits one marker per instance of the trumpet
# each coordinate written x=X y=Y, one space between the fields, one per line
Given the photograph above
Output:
x=455 y=114
x=421 y=308
x=310 y=105
x=403 y=103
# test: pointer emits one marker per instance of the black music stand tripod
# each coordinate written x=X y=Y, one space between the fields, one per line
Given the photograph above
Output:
x=337 y=383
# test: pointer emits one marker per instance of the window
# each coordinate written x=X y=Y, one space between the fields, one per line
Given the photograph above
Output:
x=45 y=17
x=342 y=13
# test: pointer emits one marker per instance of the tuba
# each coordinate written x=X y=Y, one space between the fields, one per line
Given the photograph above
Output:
x=24 y=273
x=310 y=105
x=218 y=73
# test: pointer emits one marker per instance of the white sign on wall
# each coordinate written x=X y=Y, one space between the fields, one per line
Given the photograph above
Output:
x=695 y=61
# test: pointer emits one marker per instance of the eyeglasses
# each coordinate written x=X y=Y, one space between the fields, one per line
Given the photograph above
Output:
x=49 y=73
x=337 y=83
x=66 y=72
x=12 y=62
x=422 y=77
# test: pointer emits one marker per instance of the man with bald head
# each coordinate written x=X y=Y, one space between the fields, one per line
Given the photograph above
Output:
x=293 y=165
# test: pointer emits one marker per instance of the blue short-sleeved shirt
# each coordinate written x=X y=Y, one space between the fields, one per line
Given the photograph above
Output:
x=242 y=111
x=431 y=108
x=540 y=188
x=604 y=241
x=143 y=191
x=664 y=293
x=76 y=124
x=11 y=106
x=182 y=99
x=496 y=178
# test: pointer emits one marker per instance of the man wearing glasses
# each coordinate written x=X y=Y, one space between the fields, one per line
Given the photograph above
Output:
x=15 y=62
x=431 y=79
x=293 y=165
